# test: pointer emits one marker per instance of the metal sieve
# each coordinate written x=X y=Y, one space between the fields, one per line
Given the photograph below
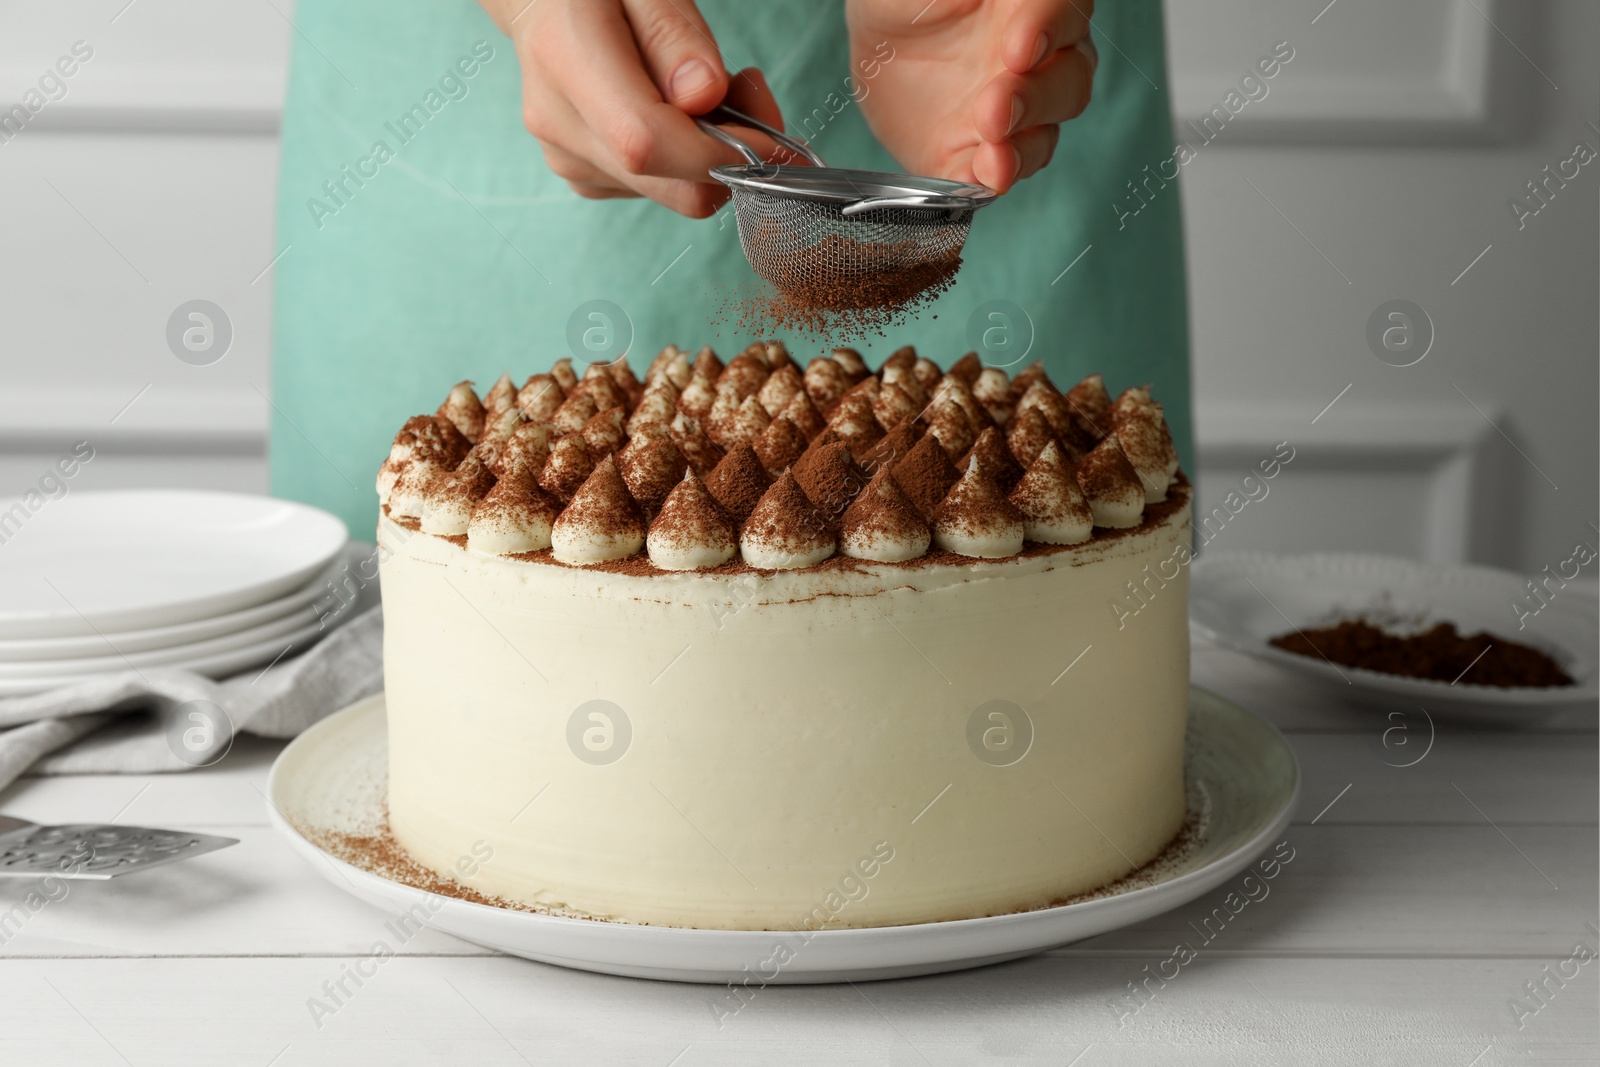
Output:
x=810 y=227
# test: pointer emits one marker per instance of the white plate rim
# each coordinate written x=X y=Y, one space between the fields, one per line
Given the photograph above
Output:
x=175 y=636
x=1217 y=567
x=216 y=665
x=1014 y=936
x=72 y=623
x=198 y=651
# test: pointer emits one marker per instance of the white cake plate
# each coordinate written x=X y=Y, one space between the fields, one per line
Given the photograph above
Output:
x=333 y=777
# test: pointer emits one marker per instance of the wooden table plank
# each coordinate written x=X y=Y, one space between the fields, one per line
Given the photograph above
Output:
x=253 y=899
x=1395 y=891
x=1544 y=778
x=229 y=793
x=1042 y=1011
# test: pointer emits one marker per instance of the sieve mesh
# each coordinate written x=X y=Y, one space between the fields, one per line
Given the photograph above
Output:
x=799 y=244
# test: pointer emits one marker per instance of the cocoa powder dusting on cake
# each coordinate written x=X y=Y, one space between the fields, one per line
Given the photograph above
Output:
x=652 y=472
x=976 y=504
x=692 y=516
x=707 y=364
x=454 y=443
x=604 y=503
x=894 y=446
x=568 y=467
x=802 y=411
x=641 y=567
x=882 y=510
x=990 y=450
x=967 y=368
x=830 y=479
x=786 y=517
x=926 y=475
x=1439 y=653
x=738 y=482
x=831 y=470
x=467 y=484
x=780 y=445
x=1106 y=470
x=902 y=358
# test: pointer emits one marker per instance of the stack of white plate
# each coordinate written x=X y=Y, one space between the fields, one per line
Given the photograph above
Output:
x=102 y=583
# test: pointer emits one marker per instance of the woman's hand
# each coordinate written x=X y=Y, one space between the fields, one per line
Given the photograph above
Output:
x=609 y=88
x=976 y=89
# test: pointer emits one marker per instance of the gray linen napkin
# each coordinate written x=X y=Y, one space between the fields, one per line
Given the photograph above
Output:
x=164 y=719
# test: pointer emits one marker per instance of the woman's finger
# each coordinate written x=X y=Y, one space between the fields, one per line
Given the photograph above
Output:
x=696 y=200
x=1039 y=27
x=574 y=169
x=591 y=60
x=601 y=192
x=1036 y=146
x=748 y=92
x=571 y=151
x=609 y=115
x=1000 y=166
x=678 y=52
x=1057 y=91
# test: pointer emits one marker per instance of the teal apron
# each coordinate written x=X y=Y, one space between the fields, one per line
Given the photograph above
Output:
x=423 y=240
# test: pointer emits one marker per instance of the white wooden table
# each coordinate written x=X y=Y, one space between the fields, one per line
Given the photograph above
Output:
x=1420 y=904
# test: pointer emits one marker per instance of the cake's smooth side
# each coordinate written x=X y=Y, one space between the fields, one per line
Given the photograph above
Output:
x=786 y=729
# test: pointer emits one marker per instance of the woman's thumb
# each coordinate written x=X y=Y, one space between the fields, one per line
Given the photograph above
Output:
x=676 y=46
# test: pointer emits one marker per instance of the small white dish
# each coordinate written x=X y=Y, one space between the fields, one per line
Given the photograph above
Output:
x=219 y=664
x=333 y=777
x=1242 y=599
x=143 y=558
x=314 y=593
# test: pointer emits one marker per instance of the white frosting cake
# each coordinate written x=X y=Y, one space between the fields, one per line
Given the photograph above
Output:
x=825 y=684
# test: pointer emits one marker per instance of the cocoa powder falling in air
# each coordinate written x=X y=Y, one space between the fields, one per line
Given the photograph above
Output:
x=884 y=284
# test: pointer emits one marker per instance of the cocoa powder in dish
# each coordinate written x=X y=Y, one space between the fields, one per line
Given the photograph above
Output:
x=1440 y=653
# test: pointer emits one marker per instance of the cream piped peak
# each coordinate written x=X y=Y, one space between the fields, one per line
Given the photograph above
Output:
x=975 y=518
x=692 y=532
x=785 y=531
x=601 y=523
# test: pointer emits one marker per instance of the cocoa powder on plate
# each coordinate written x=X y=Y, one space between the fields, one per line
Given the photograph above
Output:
x=1440 y=653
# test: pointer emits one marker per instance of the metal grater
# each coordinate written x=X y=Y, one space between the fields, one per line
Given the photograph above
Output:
x=94 y=850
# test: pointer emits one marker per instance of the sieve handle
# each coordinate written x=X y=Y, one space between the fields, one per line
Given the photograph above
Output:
x=892 y=201
x=728 y=114
x=923 y=200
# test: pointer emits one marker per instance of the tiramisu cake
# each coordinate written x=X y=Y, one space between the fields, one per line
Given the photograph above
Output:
x=757 y=646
